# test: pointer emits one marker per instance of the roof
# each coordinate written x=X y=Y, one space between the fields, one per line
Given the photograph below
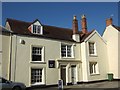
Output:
x=21 y=27
x=117 y=27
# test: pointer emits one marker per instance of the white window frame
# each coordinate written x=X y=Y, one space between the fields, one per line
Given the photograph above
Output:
x=95 y=68
x=40 y=27
x=72 y=51
x=95 y=51
x=42 y=53
x=43 y=77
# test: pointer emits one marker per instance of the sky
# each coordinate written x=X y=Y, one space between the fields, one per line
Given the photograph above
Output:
x=61 y=14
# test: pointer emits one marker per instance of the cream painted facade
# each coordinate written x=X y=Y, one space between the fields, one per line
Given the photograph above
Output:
x=22 y=63
x=111 y=36
x=100 y=57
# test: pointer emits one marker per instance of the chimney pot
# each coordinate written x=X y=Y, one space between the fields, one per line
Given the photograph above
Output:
x=74 y=18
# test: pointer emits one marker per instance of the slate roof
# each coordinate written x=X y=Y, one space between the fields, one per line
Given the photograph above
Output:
x=117 y=27
x=53 y=32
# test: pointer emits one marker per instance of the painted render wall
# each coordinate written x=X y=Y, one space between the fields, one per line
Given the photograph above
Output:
x=119 y=55
x=101 y=58
x=5 y=55
x=0 y=54
x=111 y=37
x=21 y=57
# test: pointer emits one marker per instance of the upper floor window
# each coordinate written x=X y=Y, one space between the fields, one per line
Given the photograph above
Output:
x=37 y=29
x=92 y=49
x=66 y=50
x=37 y=53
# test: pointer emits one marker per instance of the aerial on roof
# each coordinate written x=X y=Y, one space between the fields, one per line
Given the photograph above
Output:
x=53 y=32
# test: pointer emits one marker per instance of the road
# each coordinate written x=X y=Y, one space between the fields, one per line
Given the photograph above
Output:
x=106 y=85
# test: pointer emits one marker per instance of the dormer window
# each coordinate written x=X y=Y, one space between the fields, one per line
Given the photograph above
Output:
x=37 y=29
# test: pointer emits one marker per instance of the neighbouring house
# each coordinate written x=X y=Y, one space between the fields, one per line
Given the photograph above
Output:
x=38 y=54
x=112 y=37
x=5 y=38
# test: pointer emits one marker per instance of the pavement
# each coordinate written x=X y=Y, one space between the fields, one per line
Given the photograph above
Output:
x=106 y=85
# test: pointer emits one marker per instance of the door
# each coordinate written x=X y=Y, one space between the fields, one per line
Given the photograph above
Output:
x=63 y=74
x=73 y=74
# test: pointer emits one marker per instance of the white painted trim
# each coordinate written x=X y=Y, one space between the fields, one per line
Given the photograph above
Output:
x=92 y=35
x=72 y=51
x=43 y=76
x=43 y=54
x=95 y=49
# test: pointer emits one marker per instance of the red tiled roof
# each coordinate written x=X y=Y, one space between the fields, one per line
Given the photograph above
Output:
x=21 y=27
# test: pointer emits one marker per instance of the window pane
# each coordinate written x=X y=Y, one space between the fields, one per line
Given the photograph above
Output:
x=36 y=54
x=91 y=48
x=66 y=51
x=93 y=67
x=36 y=29
x=69 y=51
x=36 y=76
x=63 y=50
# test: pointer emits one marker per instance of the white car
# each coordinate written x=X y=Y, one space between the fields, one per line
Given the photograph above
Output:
x=9 y=85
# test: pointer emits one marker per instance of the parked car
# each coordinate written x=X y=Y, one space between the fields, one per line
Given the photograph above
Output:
x=10 y=85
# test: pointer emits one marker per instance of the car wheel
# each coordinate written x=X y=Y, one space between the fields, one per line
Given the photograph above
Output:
x=16 y=88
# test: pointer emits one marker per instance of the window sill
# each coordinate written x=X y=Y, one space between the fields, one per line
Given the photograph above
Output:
x=37 y=84
x=38 y=62
x=93 y=55
x=94 y=74
x=67 y=57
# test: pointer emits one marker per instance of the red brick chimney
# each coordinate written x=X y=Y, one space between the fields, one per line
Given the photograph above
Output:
x=75 y=25
x=75 y=36
x=109 y=21
x=84 y=24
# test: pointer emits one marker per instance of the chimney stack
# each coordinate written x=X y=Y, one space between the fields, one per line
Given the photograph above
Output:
x=75 y=25
x=109 y=21
x=84 y=24
x=75 y=36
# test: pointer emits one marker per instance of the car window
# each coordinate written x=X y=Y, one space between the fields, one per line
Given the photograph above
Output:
x=3 y=80
x=0 y=80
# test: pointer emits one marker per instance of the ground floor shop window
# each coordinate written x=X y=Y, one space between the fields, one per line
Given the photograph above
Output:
x=36 y=76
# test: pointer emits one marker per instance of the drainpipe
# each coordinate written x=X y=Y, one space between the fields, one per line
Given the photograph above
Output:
x=9 y=63
x=15 y=58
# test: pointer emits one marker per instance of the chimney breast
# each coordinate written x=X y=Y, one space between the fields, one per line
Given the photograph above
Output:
x=109 y=21
x=75 y=25
x=84 y=24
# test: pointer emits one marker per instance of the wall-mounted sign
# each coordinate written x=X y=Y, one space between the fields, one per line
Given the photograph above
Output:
x=51 y=63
